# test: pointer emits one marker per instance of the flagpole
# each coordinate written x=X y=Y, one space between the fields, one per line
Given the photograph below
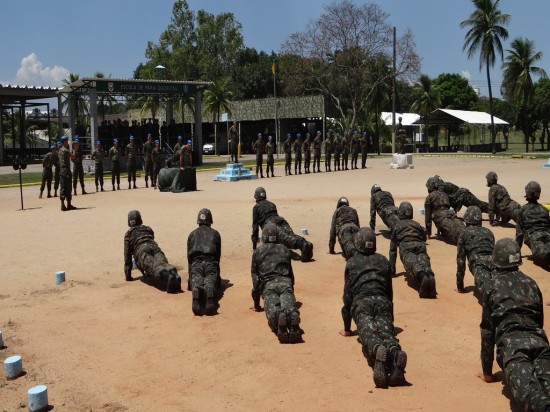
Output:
x=273 y=70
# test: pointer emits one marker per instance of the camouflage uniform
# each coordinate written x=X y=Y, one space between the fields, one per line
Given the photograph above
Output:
x=185 y=158
x=78 y=169
x=533 y=227
x=147 y=161
x=460 y=196
x=234 y=142
x=156 y=159
x=298 y=155
x=317 y=144
x=329 y=148
x=47 y=164
x=513 y=320
x=476 y=243
x=131 y=155
x=436 y=208
x=287 y=149
x=270 y=150
x=345 y=153
x=501 y=205
x=98 y=155
x=381 y=201
x=364 y=143
x=337 y=152
x=56 y=172
x=345 y=223
x=258 y=147
x=65 y=175
x=354 y=145
x=273 y=279
x=114 y=155
x=306 y=149
x=176 y=156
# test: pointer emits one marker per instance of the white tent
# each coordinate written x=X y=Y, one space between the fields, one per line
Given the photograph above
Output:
x=448 y=116
x=407 y=119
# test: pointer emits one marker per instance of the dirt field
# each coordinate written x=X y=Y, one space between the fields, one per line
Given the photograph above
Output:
x=102 y=344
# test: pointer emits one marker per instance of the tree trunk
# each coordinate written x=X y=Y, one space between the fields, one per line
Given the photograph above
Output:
x=526 y=127
x=493 y=148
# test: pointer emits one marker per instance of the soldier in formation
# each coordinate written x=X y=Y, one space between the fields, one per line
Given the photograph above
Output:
x=114 y=156
x=317 y=145
x=258 y=148
x=273 y=279
x=148 y=147
x=298 y=155
x=77 y=156
x=438 y=209
x=344 y=225
x=56 y=168
x=533 y=226
x=47 y=164
x=329 y=148
x=185 y=158
x=265 y=212
x=177 y=148
x=368 y=299
x=139 y=243
x=287 y=149
x=501 y=208
x=270 y=151
x=513 y=321
x=65 y=175
x=364 y=144
x=354 y=146
x=337 y=151
x=382 y=202
x=345 y=151
x=306 y=150
x=475 y=243
x=131 y=155
x=97 y=156
x=204 y=248
x=156 y=159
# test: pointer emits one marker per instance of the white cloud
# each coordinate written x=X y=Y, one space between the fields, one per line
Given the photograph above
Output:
x=466 y=74
x=32 y=73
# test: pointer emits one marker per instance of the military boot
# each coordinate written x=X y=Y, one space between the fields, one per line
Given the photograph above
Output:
x=282 y=330
x=294 y=331
x=129 y=185
x=425 y=285
x=146 y=183
x=307 y=250
x=55 y=193
x=117 y=187
x=398 y=361
x=63 y=207
x=96 y=188
x=173 y=283
x=102 y=189
x=70 y=205
x=74 y=191
x=40 y=195
x=114 y=188
x=211 y=306
x=196 y=303
x=83 y=191
x=49 y=194
x=379 y=372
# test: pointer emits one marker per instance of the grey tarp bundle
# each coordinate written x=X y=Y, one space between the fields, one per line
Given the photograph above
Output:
x=176 y=180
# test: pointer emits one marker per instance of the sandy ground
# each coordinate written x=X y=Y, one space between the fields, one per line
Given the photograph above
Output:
x=102 y=344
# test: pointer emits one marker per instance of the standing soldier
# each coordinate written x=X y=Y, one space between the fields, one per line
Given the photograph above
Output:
x=287 y=148
x=156 y=158
x=258 y=148
x=298 y=155
x=438 y=208
x=270 y=150
x=306 y=149
x=273 y=279
x=477 y=244
x=131 y=154
x=147 y=161
x=114 y=156
x=204 y=248
x=65 y=175
x=364 y=143
x=513 y=320
x=56 y=168
x=354 y=145
x=177 y=148
x=98 y=155
x=345 y=151
x=329 y=147
x=410 y=237
x=317 y=144
x=186 y=155
x=77 y=156
x=344 y=225
x=381 y=201
x=233 y=136
x=533 y=226
x=500 y=203
x=47 y=164
x=337 y=151
x=368 y=299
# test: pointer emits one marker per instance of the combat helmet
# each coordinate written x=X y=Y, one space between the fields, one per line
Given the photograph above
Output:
x=492 y=178
x=343 y=201
x=405 y=210
x=259 y=193
x=375 y=188
x=364 y=240
x=134 y=218
x=472 y=216
x=269 y=233
x=431 y=184
x=204 y=217
x=532 y=190
x=506 y=254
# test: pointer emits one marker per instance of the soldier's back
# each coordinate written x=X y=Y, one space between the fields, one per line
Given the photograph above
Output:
x=367 y=275
x=273 y=260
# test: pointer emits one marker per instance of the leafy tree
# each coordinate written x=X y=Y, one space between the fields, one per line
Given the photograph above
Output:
x=333 y=56
x=106 y=102
x=252 y=78
x=427 y=101
x=541 y=107
x=455 y=92
x=217 y=99
x=485 y=34
x=75 y=100
x=380 y=95
x=518 y=84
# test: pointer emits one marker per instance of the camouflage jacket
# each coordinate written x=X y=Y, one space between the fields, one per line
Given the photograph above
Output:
x=148 y=149
x=337 y=146
x=317 y=145
x=64 y=158
x=436 y=207
x=475 y=243
x=270 y=262
x=258 y=147
x=114 y=154
x=298 y=146
x=98 y=155
x=406 y=232
x=131 y=151
x=261 y=213
x=48 y=161
x=233 y=135
x=306 y=147
x=379 y=201
x=532 y=218
x=499 y=199
x=156 y=156
x=287 y=147
x=269 y=149
x=329 y=146
x=204 y=242
x=136 y=237
x=354 y=144
x=78 y=155
x=345 y=146
x=342 y=216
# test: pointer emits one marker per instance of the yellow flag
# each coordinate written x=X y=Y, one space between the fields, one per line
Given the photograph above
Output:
x=273 y=68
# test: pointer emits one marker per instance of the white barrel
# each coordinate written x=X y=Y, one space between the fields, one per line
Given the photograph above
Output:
x=13 y=367
x=303 y=232
x=421 y=211
x=59 y=277
x=1 y=340
x=37 y=398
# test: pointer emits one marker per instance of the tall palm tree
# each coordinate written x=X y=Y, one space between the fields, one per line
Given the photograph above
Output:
x=518 y=84
x=217 y=99
x=486 y=32
x=380 y=95
x=105 y=101
x=76 y=101
x=427 y=101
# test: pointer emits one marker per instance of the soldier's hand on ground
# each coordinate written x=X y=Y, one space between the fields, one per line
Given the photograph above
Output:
x=485 y=378
x=345 y=333
x=460 y=288
x=257 y=308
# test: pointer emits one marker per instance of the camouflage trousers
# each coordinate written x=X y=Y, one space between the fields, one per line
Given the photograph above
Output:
x=65 y=181
x=131 y=167
x=269 y=164
x=56 y=178
x=415 y=259
x=448 y=225
x=317 y=160
x=328 y=158
x=481 y=268
x=152 y=262
x=510 y=212
x=204 y=274
x=525 y=360
x=307 y=161
x=288 y=163
x=539 y=243
x=373 y=316
x=259 y=164
x=156 y=170
x=46 y=179
x=115 y=173
x=78 y=175
x=278 y=297
x=463 y=197
x=345 y=239
x=389 y=216
x=98 y=175
x=286 y=234
x=298 y=163
x=148 y=166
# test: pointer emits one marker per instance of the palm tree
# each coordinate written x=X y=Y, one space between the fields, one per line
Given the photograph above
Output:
x=75 y=101
x=104 y=100
x=518 y=84
x=217 y=99
x=380 y=95
x=427 y=101
x=486 y=32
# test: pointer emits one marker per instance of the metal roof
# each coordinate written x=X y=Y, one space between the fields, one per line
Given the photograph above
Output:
x=448 y=116
x=15 y=93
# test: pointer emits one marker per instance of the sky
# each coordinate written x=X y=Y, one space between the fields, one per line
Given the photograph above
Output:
x=42 y=41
